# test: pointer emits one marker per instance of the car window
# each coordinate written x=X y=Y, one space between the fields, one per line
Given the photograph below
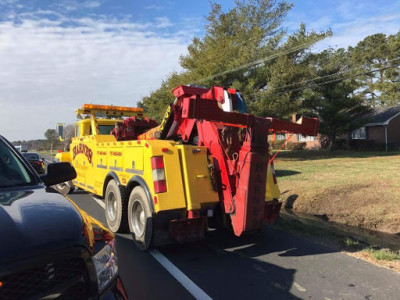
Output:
x=12 y=171
x=31 y=156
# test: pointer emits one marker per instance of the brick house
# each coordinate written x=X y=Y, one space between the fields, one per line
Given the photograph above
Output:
x=312 y=142
x=382 y=127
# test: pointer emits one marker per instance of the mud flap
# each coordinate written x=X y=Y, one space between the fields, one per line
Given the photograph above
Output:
x=271 y=211
x=188 y=230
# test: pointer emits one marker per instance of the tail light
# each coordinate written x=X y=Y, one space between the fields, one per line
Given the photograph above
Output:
x=157 y=165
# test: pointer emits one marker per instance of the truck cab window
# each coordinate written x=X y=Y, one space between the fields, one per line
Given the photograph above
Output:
x=76 y=130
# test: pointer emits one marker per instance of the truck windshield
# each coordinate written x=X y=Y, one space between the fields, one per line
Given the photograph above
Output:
x=105 y=129
x=12 y=171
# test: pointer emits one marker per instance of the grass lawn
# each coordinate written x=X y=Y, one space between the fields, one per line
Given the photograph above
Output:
x=353 y=188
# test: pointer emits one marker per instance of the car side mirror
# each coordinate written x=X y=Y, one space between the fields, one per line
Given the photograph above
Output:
x=58 y=173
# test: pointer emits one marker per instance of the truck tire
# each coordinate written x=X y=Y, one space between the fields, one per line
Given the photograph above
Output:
x=115 y=200
x=140 y=219
x=64 y=188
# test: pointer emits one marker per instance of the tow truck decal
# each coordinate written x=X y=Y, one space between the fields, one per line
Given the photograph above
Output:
x=84 y=149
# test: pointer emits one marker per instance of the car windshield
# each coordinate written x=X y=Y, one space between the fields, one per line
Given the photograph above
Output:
x=31 y=156
x=12 y=171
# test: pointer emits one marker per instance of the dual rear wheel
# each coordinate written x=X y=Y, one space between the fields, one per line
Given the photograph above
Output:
x=129 y=213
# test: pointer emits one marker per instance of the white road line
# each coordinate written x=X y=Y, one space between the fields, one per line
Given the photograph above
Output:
x=100 y=202
x=185 y=281
x=188 y=284
x=48 y=161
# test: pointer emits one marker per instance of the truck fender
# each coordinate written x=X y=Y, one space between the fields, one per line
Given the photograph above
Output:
x=114 y=176
x=137 y=180
x=110 y=176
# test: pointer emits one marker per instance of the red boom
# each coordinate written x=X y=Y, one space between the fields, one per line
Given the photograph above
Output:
x=237 y=144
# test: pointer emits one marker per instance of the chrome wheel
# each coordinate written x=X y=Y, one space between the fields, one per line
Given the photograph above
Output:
x=61 y=186
x=64 y=187
x=138 y=219
x=115 y=211
x=112 y=207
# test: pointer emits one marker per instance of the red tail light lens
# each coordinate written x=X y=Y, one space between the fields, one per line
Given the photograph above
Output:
x=157 y=162
x=157 y=165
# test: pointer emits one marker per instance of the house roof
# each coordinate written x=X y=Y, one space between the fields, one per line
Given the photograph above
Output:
x=382 y=115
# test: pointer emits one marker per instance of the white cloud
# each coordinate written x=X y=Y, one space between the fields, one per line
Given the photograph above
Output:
x=92 y=4
x=350 y=33
x=73 y=5
x=163 y=22
x=49 y=67
x=154 y=7
x=7 y=2
x=350 y=21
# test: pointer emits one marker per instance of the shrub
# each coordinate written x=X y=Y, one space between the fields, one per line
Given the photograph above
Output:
x=364 y=145
x=384 y=254
x=339 y=144
x=277 y=144
x=296 y=146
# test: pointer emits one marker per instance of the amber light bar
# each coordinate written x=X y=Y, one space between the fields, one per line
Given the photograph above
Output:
x=111 y=108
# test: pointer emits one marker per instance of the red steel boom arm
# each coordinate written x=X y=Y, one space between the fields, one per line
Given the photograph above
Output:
x=238 y=148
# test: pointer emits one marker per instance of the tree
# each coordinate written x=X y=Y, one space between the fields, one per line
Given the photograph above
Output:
x=248 y=32
x=157 y=102
x=378 y=51
x=51 y=136
x=334 y=101
x=69 y=133
x=245 y=48
x=278 y=90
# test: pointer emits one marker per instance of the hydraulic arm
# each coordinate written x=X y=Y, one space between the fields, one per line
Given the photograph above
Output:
x=237 y=144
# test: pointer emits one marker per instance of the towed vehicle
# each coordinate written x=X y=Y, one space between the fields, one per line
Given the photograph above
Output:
x=50 y=248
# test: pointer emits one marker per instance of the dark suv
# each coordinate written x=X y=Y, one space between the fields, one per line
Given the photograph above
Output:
x=50 y=249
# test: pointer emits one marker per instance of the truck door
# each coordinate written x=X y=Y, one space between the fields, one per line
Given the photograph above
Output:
x=80 y=154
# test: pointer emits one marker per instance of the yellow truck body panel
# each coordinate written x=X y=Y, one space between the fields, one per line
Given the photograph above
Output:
x=95 y=156
x=196 y=177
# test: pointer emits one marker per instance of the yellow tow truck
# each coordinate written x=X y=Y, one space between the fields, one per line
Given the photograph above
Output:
x=159 y=185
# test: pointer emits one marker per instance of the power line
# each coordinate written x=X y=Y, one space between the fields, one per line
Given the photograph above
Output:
x=254 y=63
x=261 y=35
x=240 y=43
x=261 y=60
x=339 y=79
x=321 y=77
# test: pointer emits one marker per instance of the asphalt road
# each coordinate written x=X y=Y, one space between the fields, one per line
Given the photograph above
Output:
x=270 y=265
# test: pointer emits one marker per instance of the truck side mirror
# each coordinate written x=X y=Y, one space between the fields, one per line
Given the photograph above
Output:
x=58 y=173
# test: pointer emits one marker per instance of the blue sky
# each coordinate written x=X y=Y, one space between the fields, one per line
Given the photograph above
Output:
x=57 y=54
